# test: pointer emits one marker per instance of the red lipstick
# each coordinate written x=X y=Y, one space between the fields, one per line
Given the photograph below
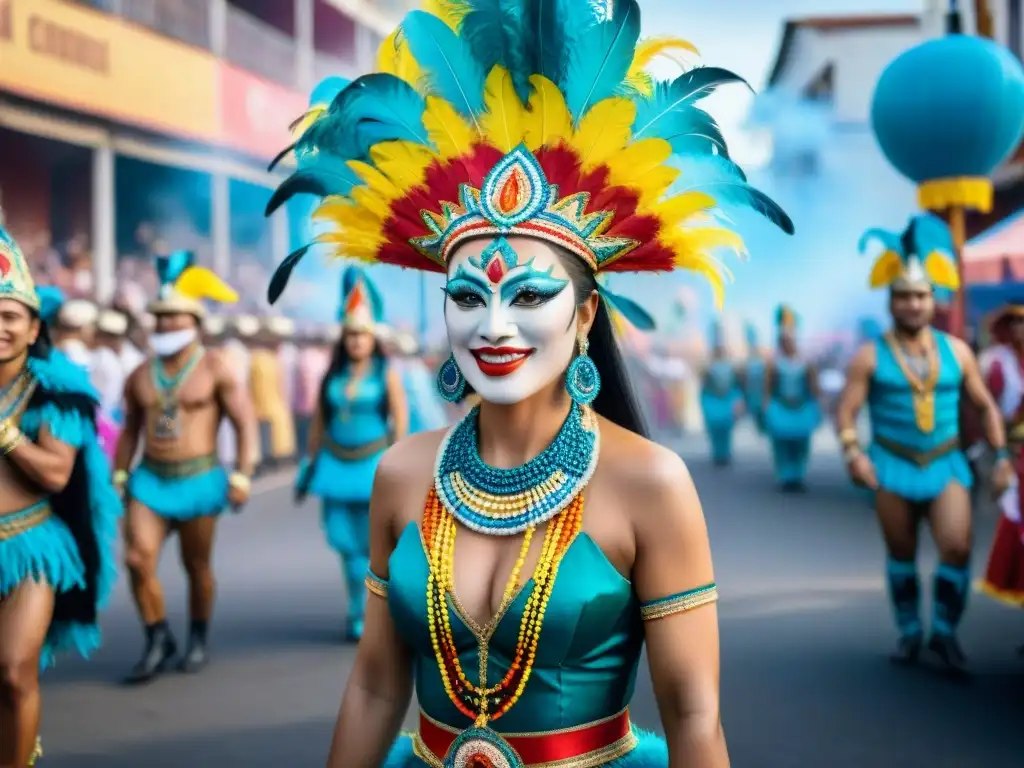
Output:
x=500 y=361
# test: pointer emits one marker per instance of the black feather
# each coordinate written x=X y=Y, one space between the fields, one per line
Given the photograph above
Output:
x=280 y=156
x=284 y=272
x=302 y=182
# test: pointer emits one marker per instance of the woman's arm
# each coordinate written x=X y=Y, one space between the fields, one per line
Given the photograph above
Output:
x=398 y=405
x=380 y=685
x=316 y=433
x=674 y=578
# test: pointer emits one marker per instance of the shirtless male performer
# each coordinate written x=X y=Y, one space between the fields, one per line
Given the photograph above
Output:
x=176 y=400
x=911 y=379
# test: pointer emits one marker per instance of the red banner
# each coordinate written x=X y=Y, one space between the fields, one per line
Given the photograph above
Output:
x=255 y=114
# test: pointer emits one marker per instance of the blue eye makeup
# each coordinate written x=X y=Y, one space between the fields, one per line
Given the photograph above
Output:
x=532 y=281
x=464 y=286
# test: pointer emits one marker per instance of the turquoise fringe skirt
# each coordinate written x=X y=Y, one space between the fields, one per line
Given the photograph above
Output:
x=44 y=552
x=180 y=498
x=919 y=484
x=650 y=752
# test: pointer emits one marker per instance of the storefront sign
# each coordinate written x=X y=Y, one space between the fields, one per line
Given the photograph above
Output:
x=83 y=60
x=255 y=114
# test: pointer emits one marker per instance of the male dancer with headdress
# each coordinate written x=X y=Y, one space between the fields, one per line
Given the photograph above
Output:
x=175 y=402
x=1004 y=576
x=911 y=380
x=58 y=509
x=754 y=371
x=791 y=411
x=721 y=398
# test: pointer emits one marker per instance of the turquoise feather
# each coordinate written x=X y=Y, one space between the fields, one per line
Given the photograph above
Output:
x=600 y=60
x=327 y=89
x=552 y=28
x=639 y=317
x=671 y=113
x=320 y=175
x=350 y=278
x=495 y=32
x=169 y=268
x=725 y=181
x=375 y=108
x=890 y=240
x=51 y=299
x=450 y=68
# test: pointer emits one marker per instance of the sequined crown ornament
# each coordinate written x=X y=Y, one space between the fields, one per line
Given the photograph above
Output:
x=184 y=286
x=15 y=278
x=362 y=306
x=923 y=254
x=533 y=118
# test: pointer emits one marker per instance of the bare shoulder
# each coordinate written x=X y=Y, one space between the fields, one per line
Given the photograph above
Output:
x=960 y=348
x=217 y=361
x=406 y=470
x=131 y=384
x=864 y=359
x=642 y=470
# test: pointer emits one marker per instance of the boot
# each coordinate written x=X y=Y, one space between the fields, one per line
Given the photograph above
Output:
x=908 y=649
x=950 y=654
x=196 y=655
x=160 y=649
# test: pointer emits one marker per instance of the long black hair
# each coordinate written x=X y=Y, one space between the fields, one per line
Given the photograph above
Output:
x=43 y=344
x=339 y=362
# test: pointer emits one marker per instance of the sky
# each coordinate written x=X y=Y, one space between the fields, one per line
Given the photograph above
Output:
x=741 y=35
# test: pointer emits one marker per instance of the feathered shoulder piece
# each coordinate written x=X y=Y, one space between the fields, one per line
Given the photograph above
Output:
x=56 y=374
x=923 y=254
x=522 y=117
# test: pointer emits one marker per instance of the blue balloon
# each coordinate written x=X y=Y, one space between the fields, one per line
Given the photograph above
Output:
x=950 y=107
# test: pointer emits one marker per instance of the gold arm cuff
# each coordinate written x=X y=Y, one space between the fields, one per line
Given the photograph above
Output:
x=240 y=482
x=848 y=437
x=120 y=477
x=12 y=438
x=376 y=586
x=681 y=603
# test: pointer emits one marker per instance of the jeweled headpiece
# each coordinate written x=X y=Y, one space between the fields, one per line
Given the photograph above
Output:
x=15 y=278
x=786 y=320
x=923 y=255
x=362 y=307
x=533 y=118
x=184 y=285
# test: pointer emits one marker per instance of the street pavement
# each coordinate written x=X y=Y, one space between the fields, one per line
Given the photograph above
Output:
x=805 y=637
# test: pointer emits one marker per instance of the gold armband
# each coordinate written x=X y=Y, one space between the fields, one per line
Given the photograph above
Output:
x=240 y=482
x=679 y=603
x=848 y=437
x=10 y=437
x=376 y=585
x=120 y=478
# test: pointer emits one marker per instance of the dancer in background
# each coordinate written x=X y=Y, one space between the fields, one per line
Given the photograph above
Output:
x=269 y=396
x=911 y=380
x=175 y=404
x=721 y=398
x=1004 y=576
x=58 y=508
x=362 y=410
x=754 y=371
x=792 y=411
x=73 y=334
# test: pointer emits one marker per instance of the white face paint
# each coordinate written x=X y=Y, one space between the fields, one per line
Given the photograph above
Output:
x=511 y=316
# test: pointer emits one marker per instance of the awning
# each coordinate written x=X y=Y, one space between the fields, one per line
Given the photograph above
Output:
x=996 y=255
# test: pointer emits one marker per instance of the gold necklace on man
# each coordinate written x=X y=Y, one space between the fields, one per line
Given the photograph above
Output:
x=167 y=389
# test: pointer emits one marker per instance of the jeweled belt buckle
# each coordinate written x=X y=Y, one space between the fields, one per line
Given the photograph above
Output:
x=481 y=748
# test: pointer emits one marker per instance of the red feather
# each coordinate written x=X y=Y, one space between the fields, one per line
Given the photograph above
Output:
x=5 y=265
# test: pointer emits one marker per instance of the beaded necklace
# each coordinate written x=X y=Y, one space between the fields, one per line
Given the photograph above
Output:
x=507 y=503
x=167 y=387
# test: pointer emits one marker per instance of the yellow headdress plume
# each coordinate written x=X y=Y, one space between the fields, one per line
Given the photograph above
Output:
x=184 y=286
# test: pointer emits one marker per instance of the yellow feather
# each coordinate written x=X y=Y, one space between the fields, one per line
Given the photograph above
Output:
x=303 y=123
x=648 y=50
x=888 y=267
x=676 y=210
x=375 y=181
x=200 y=283
x=395 y=58
x=628 y=167
x=503 y=123
x=404 y=162
x=451 y=13
x=548 y=120
x=452 y=135
x=604 y=131
x=942 y=271
x=642 y=83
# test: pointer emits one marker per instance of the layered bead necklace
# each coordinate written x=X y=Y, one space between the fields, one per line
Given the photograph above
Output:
x=167 y=388
x=548 y=489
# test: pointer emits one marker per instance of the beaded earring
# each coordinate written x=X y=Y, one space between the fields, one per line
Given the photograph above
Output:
x=450 y=381
x=582 y=380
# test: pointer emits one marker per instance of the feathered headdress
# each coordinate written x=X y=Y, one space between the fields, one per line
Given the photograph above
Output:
x=51 y=299
x=786 y=320
x=531 y=117
x=924 y=254
x=184 y=285
x=362 y=306
x=15 y=278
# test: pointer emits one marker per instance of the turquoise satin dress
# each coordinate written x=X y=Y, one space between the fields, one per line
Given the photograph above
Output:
x=587 y=657
x=791 y=417
x=719 y=397
x=891 y=407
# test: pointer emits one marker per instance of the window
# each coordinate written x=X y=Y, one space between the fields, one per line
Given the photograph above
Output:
x=1015 y=27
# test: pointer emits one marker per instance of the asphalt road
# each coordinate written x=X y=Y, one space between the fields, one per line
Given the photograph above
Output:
x=805 y=636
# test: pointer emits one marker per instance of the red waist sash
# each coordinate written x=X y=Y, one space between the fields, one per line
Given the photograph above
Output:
x=602 y=741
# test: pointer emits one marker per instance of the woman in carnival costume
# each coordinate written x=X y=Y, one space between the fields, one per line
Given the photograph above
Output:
x=536 y=155
x=792 y=412
x=58 y=508
x=1004 y=576
x=911 y=380
x=361 y=411
x=721 y=398
x=754 y=372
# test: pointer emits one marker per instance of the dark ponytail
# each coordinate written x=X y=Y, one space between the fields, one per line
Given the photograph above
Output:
x=43 y=345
